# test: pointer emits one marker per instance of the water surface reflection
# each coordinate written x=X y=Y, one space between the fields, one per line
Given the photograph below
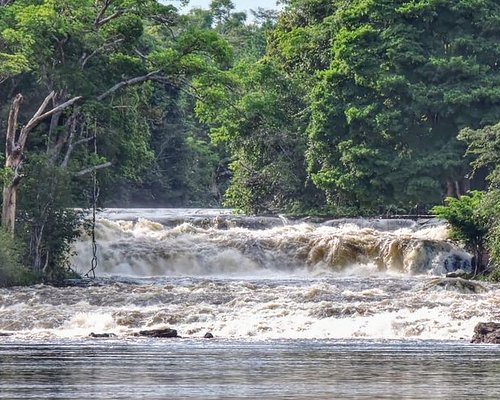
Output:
x=193 y=369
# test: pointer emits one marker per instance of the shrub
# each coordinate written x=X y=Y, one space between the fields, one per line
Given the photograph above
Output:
x=12 y=272
x=467 y=221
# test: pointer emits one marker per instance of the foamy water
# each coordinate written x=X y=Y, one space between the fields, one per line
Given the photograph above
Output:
x=198 y=246
x=259 y=279
x=326 y=308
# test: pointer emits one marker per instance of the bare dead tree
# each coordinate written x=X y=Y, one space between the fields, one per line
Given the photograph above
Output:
x=15 y=144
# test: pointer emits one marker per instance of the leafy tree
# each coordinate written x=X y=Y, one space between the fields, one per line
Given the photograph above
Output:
x=396 y=81
x=247 y=39
x=86 y=77
x=484 y=146
x=468 y=224
x=47 y=223
x=12 y=271
x=256 y=111
x=185 y=169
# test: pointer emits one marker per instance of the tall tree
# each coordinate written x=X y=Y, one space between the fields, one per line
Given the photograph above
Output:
x=397 y=80
x=256 y=111
x=89 y=70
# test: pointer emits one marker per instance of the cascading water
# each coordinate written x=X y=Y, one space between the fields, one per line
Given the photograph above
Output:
x=220 y=245
x=267 y=278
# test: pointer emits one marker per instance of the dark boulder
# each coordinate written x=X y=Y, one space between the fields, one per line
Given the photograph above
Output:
x=487 y=332
x=208 y=335
x=159 y=333
x=102 y=335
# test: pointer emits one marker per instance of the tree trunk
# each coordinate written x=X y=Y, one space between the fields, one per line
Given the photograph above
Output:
x=36 y=248
x=9 y=207
x=14 y=151
x=450 y=192
x=13 y=158
x=457 y=188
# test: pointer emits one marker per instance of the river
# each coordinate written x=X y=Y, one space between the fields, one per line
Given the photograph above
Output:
x=298 y=309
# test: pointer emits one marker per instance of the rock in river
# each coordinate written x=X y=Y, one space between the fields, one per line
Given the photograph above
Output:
x=102 y=335
x=457 y=284
x=487 y=332
x=159 y=333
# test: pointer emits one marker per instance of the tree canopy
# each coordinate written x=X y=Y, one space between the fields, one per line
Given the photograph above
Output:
x=403 y=79
x=328 y=107
x=81 y=76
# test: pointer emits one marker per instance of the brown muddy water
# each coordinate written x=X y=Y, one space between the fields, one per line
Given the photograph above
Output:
x=341 y=309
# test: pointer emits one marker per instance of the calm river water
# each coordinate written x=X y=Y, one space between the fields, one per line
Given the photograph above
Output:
x=228 y=369
x=341 y=309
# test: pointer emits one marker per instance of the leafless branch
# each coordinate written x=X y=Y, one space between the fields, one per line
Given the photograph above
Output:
x=94 y=168
x=100 y=19
x=10 y=140
x=127 y=82
x=105 y=20
x=71 y=128
x=106 y=46
x=71 y=147
x=39 y=116
x=35 y=120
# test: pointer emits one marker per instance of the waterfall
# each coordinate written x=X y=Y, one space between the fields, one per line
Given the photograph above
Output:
x=243 y=277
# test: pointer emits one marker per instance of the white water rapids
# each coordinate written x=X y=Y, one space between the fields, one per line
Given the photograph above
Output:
x=259 y=278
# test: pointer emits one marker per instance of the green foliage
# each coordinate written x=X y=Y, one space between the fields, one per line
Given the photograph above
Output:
x=129 y=153
x=396 y=81
x=484 y=146
x=12 y=272
x=11 y=65
x=255 y=110
x=46 y=221
x=468 y=223
x=490 y=209
x=463 y=214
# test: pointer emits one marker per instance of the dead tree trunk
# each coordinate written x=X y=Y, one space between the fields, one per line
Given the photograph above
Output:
x=14 y=152
x=13 y=160
x=15 y=145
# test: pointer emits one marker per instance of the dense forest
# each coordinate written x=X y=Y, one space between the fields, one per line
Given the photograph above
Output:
x=336 y=107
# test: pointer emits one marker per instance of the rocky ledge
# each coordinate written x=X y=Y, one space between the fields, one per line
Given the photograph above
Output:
x=487 y=332
x=156 y=333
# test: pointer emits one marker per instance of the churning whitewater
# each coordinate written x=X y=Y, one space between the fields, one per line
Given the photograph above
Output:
x=261 y=278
